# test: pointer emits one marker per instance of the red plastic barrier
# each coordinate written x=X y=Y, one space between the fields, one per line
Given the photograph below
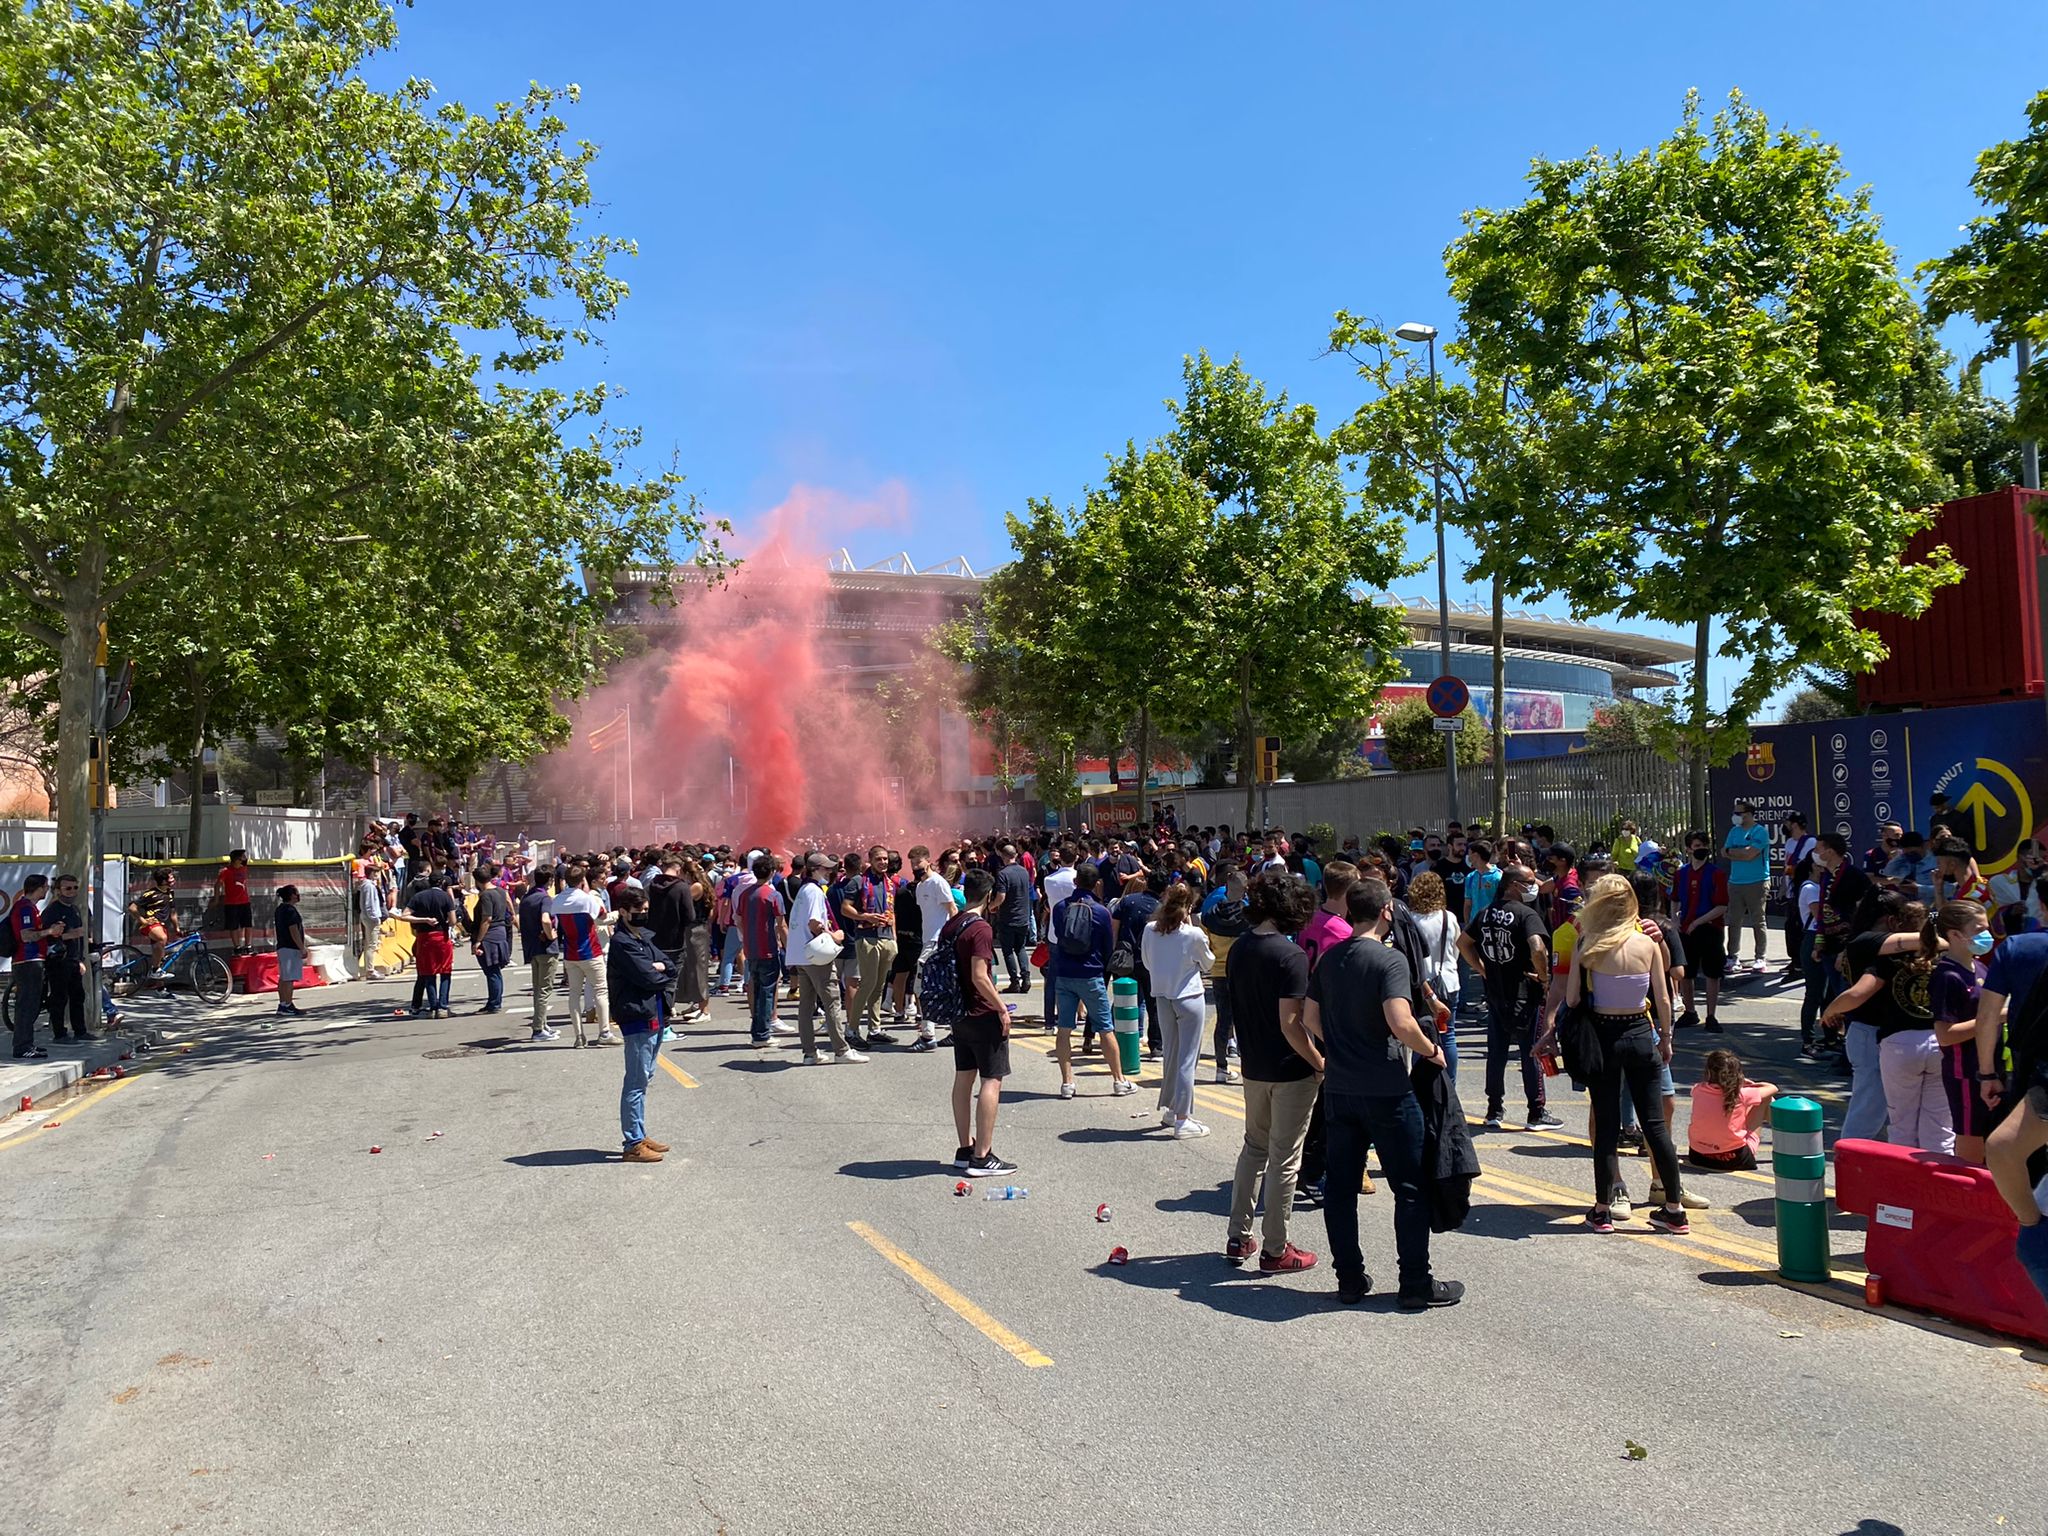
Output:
x=1940 y=1236
x=258 y=973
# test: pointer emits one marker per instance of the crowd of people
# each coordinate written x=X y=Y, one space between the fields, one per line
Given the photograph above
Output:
x=1338 y=979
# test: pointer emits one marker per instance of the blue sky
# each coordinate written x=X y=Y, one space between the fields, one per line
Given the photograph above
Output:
x=944 y=257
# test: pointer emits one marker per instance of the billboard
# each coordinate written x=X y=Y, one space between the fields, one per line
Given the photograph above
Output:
x=1850 y=776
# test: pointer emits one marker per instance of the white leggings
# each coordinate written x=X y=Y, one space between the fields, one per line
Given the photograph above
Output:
x=1180 y=1030
x=1910 y=1064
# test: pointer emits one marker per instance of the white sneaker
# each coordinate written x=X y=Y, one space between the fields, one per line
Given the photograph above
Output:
x=1123 y=1088
x=811 y=1061
x=1189 y=1129
x=1166 y=1117
x=849 y=1054
x=781 y=1027
x=1228 y=1076
x=1066 y=1090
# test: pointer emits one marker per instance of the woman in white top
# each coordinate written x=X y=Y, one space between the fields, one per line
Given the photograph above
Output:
x=1440 y=951
x=1177 y=957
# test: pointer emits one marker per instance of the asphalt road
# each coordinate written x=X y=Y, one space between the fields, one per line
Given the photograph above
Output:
x=225 y=1314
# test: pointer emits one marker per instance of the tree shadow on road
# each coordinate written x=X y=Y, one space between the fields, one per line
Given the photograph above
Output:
x=1206 y=1280
x=897 y=1168
x=566 y=1157
x=1201 y=1202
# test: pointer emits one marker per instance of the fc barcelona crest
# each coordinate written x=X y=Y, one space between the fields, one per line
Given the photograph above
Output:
x=1763 y=760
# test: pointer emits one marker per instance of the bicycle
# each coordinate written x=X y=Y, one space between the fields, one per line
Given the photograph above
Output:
x=126 y=969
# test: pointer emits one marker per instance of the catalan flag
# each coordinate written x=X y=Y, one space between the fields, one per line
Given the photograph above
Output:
x=610 y=734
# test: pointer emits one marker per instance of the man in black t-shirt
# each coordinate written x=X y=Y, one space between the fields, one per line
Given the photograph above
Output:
x=909 y=942
x=1267 y=975
x=981 y=1035
x=1013 y=917
x=64 y=960
x=1510 y=945
x=1359 y=1013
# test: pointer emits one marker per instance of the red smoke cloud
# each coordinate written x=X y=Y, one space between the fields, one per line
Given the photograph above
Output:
x=750 y=725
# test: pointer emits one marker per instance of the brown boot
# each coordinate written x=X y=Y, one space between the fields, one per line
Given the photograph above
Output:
x=652 y=1145
x=640 y=1152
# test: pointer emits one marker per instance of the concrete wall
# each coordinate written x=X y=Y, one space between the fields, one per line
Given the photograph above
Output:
x=28 y=839
x=268 y=832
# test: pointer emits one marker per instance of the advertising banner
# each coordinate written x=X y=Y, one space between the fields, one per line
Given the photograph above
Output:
x=1851 y=776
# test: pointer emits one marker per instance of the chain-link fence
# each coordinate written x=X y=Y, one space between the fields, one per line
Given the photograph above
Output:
x=1582 y=796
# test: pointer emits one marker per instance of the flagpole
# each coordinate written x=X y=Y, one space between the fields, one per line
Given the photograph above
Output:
x=629 y=765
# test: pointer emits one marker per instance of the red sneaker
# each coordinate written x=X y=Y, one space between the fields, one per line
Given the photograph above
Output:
x=1238 y=1249
x=1287 y=1262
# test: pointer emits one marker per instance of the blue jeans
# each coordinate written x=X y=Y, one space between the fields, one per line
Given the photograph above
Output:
x=1356 y=1122
x=763 y=974
x=1076 y=992
x=1867 y=1112
x=1448 y=1038
x=494 y=987
x=641 y=1051
x=728 y=957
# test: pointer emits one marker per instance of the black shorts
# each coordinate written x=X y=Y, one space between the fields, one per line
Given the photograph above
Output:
x=907 y=948
x=237 y=914
x=1740 y=1160
x=979 y=1046
x=1706 y=952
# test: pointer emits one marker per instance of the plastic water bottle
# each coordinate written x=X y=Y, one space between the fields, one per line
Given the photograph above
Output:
x=1009 y=1192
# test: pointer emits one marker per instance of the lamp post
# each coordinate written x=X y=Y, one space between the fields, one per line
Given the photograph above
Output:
x=1414 y=331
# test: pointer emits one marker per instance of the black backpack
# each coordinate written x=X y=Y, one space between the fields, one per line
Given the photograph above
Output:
x=1077 y=928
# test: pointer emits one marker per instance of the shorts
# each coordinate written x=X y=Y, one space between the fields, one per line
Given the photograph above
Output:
x=848 y=964
x=154 y=933
x=908 y=949
x=238 y=914
x=291 y=965
x=1967 y=1111
x=979 y=1046
x=1742 y=1158
x=1706 y=952
x=2036 y=1091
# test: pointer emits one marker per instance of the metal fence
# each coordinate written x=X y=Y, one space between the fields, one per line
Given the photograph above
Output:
x=1582 y=796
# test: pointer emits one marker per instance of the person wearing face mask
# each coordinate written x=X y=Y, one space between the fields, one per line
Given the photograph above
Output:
x=1912 y=867
x=1748 y=851
x=1699 y=903
x=1964 y=938
x=2018 y=884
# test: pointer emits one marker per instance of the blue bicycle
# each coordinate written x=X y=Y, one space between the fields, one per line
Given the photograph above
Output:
x=127 y=969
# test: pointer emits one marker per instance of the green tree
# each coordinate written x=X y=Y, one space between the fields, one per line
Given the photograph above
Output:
x=1415 y=745
x=239 y=289
x=1630 y=723
x=1715 y=336
x=1998 y=276
x=1293 y=642
x=1809 y=706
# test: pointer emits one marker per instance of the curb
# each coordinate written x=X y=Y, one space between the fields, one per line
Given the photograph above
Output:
x=38 y=1080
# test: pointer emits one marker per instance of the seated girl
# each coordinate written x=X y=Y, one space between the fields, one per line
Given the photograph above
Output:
x=1727 y=1109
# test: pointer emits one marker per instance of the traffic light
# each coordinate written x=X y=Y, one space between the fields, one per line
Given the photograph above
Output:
x=1268 y=759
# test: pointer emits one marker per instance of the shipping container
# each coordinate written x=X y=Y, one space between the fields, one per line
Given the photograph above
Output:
x=1979 y=640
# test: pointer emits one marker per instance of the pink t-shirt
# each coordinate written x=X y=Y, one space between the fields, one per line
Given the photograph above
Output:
x=1323 y=931
x=1713 y=1129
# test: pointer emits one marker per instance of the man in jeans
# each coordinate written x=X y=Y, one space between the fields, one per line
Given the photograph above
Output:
x=1013 y=918
x=868 y=914
x=764 y=928
x=817 y=985
x=64 y=962
x=1359 y=1015
x=1267 y=975
x=24 y=917
x=538 y=945
x=1508 y=944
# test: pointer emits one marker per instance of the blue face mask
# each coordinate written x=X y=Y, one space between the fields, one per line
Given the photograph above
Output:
x=1981 y=942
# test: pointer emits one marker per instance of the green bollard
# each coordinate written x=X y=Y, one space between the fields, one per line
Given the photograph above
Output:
x=1127 y=1020
x=1801 y=1166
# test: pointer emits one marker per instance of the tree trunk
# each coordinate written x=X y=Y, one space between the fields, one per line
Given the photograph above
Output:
x=1144 y=757
x=195 y=807
x=76 y=658
x=1697 y=731
x=1247 y=749
x=1499 y=809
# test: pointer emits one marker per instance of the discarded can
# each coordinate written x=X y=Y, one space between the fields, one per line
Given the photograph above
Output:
x=960 y=1186
x=28 y=1101
x=1873 y=1290
x=376 y=1149
x=1119 y=1255
x=1102 y=1213
x=120 y=1071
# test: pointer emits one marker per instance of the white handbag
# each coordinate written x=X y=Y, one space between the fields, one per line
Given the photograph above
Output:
x=822 y=950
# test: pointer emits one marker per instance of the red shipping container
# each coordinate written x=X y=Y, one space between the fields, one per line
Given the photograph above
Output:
x=1980 y=640
x=1940 y=1236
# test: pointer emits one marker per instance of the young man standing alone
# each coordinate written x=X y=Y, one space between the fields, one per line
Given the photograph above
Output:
x=981 y=1035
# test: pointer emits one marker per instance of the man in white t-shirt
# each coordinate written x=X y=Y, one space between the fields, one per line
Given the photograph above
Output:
x=935 y=907
x=581 y=918
x=816 y=985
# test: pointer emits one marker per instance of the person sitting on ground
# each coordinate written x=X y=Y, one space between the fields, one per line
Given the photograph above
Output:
x=1727 y=1108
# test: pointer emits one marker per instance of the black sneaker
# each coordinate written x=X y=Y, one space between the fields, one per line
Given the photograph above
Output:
x=1687 y=1020
x=1492 y=1122
x=987 y=1164
x=1712 y=1026
x=1542 y=1120
x=963 y=1157
x=1673 y=1222
x=1351 y=1292
x=924 y=1043
x=1310 y=1194
x=1441 y=1293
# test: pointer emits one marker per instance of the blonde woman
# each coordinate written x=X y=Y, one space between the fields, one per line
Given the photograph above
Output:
x=1176 y=956
x=1621 y=973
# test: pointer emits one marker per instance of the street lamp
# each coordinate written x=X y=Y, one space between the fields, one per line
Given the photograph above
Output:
x=1414 y=331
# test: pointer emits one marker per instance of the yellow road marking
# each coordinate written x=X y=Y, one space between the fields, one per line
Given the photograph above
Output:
x=70 y=1111
x=678 y=1073
x=1023 y=1352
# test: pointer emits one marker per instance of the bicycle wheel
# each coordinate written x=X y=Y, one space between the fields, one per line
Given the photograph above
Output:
x=125 y=968
x=208 y=974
